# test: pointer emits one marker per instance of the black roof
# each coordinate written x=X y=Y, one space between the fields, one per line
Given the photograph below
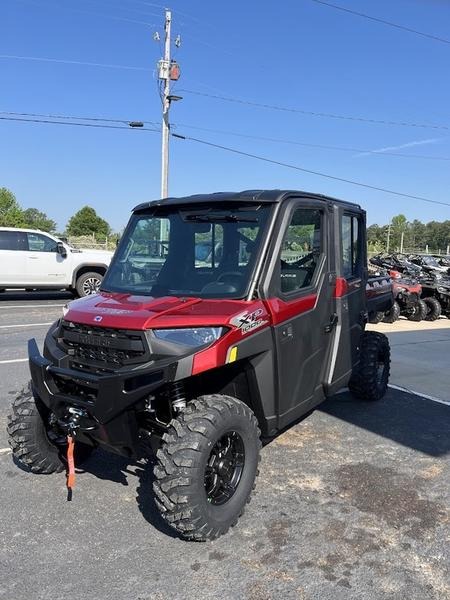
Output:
x=259 y=196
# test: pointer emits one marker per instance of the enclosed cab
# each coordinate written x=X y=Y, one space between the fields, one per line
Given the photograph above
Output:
x=222 y=319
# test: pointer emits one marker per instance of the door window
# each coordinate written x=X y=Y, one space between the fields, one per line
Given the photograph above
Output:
x=9 y=240
x=41 y=243
x=301 y=250
x=351 y=246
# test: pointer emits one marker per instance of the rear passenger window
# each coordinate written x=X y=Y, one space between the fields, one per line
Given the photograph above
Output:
x=351 y=246
x=9 y=240
x=301 y=250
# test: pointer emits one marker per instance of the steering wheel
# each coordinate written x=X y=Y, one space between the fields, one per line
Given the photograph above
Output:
x=229 y=274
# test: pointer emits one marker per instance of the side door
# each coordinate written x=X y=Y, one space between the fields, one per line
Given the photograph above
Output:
x=45 y=266
x=12 y=258
x=300 y=301
x=350 y=295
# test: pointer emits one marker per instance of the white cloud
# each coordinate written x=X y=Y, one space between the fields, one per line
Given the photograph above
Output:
x=399 y=147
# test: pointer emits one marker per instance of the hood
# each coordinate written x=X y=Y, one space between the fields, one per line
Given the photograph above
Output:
x=125 y=311
x=90 y=255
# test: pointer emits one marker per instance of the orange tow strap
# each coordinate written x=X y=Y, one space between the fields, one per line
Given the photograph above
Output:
x=70 y=463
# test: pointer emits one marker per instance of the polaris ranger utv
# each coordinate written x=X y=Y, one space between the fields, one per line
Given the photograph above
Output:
x=195 y=356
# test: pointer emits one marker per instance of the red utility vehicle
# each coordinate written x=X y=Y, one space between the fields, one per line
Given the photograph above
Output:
x=222 y=319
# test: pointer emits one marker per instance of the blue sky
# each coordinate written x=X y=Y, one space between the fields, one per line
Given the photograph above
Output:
x=296 y=54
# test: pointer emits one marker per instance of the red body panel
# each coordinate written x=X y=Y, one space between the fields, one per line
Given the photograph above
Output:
x=242 y=318
x=283 y=311
x=399 y=286
x=341 y=287
x=124 y=311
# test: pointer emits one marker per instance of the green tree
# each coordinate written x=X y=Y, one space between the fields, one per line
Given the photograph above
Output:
x=376 y=237
x=87 y=222
x=35 y=219
x=11 y=215
x=417 y=233
x=399 y=225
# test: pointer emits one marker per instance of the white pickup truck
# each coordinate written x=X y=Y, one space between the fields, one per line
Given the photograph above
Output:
x=33 y=259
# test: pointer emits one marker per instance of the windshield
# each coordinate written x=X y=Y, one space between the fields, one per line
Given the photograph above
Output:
x=430 y=261
x=203 y=251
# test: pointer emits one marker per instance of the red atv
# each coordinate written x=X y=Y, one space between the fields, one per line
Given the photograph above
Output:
x=407 y=294
x=248 y=311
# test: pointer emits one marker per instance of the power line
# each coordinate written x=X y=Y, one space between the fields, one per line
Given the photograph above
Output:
x=316 y=114
x=84 y=11
x=74 y=62
x=236 y=151
x=50 y=122
x=226 y=132
x=383 y=21
x=309 y=171
x=74 y=118
x=309 y=145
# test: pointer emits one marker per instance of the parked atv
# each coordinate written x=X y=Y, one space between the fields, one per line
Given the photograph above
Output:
x=429 y=263
x=198 y=359
x=408 y=303
x=407 y=296
x=436 y=295
x=435 y=283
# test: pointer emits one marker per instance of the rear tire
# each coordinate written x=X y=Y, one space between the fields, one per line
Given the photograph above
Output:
x=370 y=379
x=392 y=315
x=418 y=313
x=206 y=467
x=28 y=439
x=88 y=284
x=434 y=308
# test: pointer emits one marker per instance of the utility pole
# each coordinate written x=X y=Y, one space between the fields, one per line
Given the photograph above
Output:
x=165 y=71
x=388 y=238
x=401 y=242
x=168 y=70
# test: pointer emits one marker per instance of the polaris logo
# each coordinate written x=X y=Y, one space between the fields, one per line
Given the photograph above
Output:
x=92 y=340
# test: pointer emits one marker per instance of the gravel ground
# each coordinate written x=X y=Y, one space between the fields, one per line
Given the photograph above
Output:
x=351 y=503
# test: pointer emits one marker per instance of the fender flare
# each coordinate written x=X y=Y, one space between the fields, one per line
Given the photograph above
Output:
x=90 y=265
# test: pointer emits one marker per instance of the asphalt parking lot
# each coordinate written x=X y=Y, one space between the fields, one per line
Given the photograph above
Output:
x=351 y=503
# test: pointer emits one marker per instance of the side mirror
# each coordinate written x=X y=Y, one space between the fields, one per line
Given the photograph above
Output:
x=61 y=249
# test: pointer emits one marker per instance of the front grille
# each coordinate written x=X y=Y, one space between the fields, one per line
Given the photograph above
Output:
x=100 y=349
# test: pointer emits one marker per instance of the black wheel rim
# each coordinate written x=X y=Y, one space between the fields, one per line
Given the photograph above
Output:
x=224 y=468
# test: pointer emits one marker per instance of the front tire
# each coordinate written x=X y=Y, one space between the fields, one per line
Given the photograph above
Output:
x=376 y=318
x=28 y=437
x=88 y=284
x=370 y=379
x=393 y=315
x=434 y=309
x=207 y=466
x=418 y=312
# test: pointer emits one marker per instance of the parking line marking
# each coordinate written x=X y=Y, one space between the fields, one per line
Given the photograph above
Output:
x=433 y=398
x=32 y=306
x=24 y=325
x=14 y=360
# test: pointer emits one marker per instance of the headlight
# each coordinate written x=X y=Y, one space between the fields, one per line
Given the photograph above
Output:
x=198 y=336
x=65 y=310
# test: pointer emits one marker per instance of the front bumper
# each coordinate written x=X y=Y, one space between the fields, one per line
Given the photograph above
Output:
x=108 y=400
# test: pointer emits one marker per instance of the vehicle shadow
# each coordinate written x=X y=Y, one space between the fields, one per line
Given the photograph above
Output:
x=120 y=469
x=23 y=296
x=406 y=419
